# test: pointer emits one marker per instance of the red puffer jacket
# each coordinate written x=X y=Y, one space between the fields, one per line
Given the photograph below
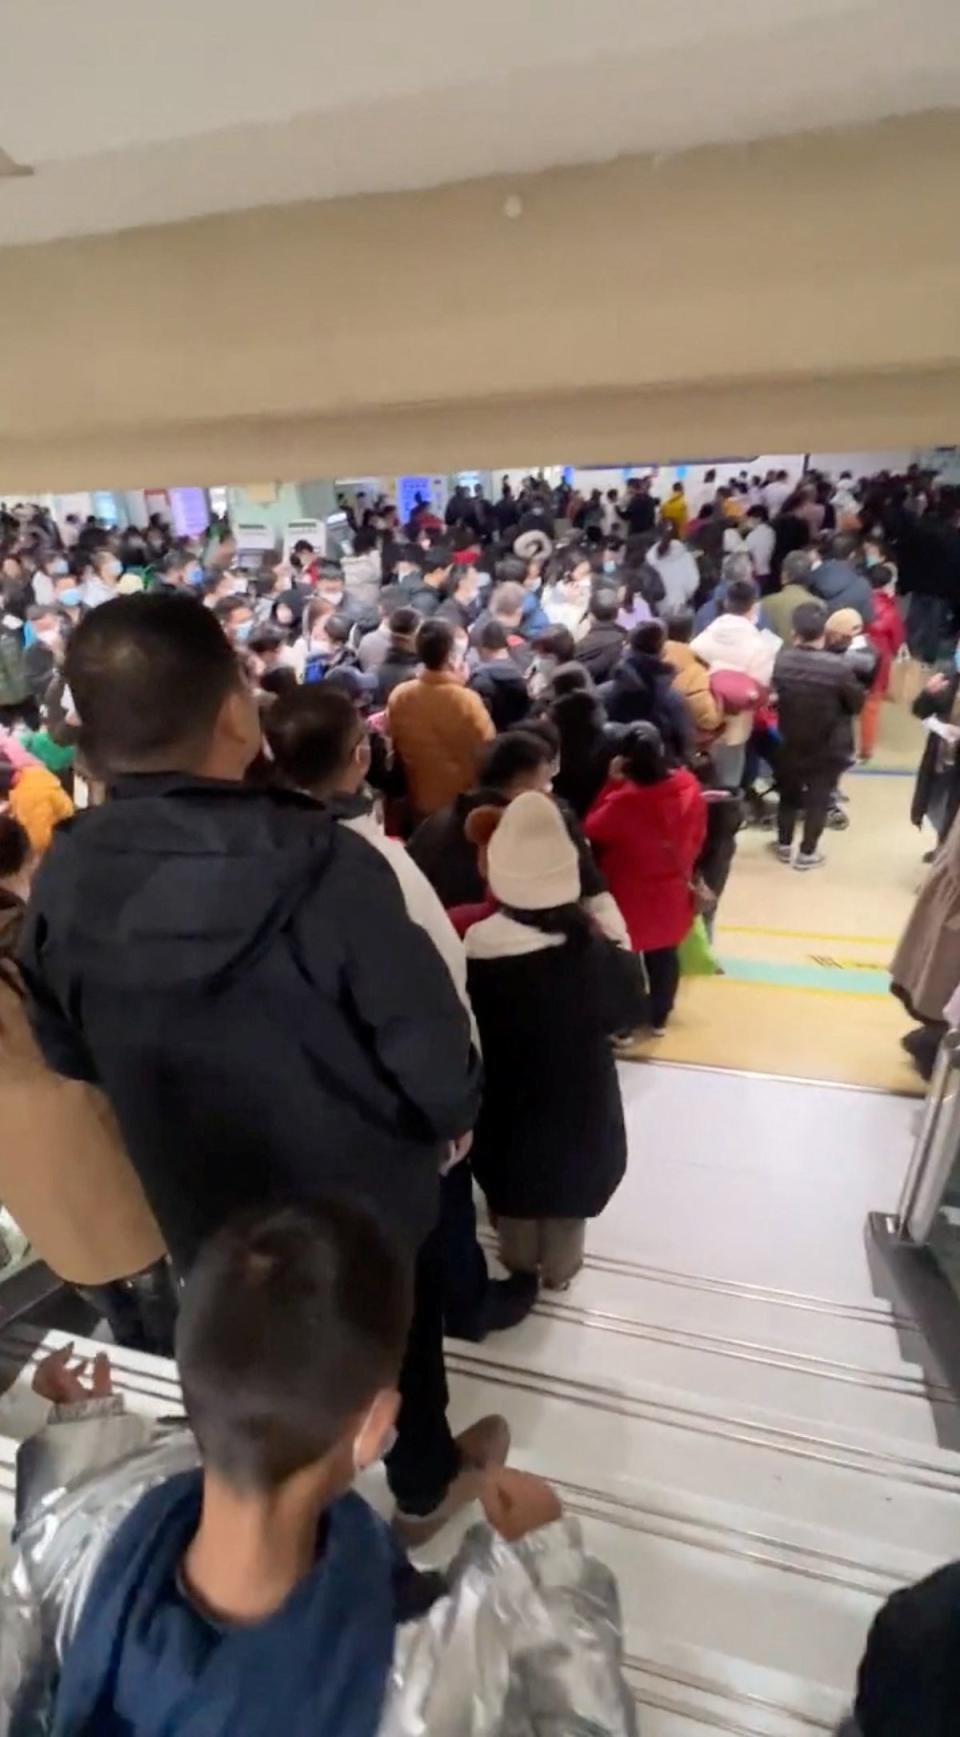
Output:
x=647 y=838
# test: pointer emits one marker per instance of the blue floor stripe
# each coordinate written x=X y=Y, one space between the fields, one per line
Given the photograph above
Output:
x=786 y=976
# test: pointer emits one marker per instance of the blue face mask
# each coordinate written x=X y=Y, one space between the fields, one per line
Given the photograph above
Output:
x=69 y=598
x=610 y=565
x=956 y=658
x=242 y=633
x=194 y=575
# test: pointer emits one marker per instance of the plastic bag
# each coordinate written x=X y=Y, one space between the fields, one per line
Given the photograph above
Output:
x=697 y=958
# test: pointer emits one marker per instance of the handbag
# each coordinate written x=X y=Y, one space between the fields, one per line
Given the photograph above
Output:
x=695 y=954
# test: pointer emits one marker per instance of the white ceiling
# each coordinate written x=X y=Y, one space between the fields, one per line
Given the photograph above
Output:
x=136 y=112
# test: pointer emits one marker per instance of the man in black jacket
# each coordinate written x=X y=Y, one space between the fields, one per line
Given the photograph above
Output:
x=818 y=697
x=605 y=641
x=240 y=976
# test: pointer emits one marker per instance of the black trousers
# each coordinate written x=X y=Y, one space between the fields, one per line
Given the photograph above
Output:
x=663 y=970
x=805 y=790
x=425 y=1460
x=463 y=1264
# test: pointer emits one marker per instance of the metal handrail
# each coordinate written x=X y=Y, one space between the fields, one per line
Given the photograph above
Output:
x=936 y=1147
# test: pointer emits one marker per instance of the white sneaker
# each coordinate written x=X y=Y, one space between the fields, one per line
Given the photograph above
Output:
x=783 y=852
x=809 y=859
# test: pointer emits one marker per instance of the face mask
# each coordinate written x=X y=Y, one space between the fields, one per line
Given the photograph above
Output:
x=956 y=658
x=871 y=559
x=69 y=598
x=49 y=636
x=58 y=569
x=610 y=565
x=194 y=575
x=242 y=633
x=333 y=597
x=111 y=570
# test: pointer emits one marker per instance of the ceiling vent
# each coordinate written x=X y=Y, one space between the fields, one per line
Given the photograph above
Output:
x=11 y=170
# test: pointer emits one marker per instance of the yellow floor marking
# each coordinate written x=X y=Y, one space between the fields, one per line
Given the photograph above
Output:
x=807 y=935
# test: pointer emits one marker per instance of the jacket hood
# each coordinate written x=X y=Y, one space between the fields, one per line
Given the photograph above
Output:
x=577 y=713
x=642 y=669
x=196 y=877
x=144 y=1659
x=507 y=674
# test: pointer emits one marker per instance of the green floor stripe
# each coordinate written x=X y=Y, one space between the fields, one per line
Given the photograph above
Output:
x=780 y=975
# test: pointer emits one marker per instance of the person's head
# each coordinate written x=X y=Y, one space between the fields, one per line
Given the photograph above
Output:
x=55 y=564
x=48 y=627
x=843 y=627
x=520 y=759
x=436 y=645
x=843 y=547
x=666 y=534
x=569 y=678
x=680 y=626
x=742 y=596
x=557 y=643
x=437 y=568
x=157 y=688
x=364 y=540
x=465 y=581
x=289 y=1341
x=797 y=567
x=736 y=568
x=506 y=605
x=491 y=643
x=402 y=626
x=757 y=515
x=604 y=607
x=318 y=741
x=16 y=855
x=12 y=570
x=809 y=624
x=222 y=551
x=107 y=566
x=314 y=621
x=642 y=757
x=330 y=583
x=677 y=489
x=649 y=638
x=236 y=618
x=882 y=576
x=532 y=862
x=408 y=563
x=267 y=643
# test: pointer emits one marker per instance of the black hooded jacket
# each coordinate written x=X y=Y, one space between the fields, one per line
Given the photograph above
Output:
x=642 y=691
x=240 y=976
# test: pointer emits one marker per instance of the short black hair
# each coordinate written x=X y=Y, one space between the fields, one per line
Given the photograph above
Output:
x=338 y=628
x=545 y=728
x=309 y=732
x=282 y=680
x=227 y=606
x=148 y=674
x=266 y=638
x=492 y=636
x=15 y=847
x=880 y=574
x=364 y=540
x=740 y=597
x=604 y=605
x=556 y=641
x=809 y=622
x=650 y=636
x=404 y=622
x=680 y=626
x=569 y=678
x=435 y=644
x=510 y=570
x=289 y=1325
x=175 y=561
x=438 y=560
x=516 y=751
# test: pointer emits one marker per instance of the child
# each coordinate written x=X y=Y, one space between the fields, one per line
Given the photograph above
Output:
x=886 y=635
x=647 y=827
x=227 y=1580
x=548 y=991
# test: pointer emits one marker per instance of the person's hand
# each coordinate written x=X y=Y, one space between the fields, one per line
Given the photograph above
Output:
x=461 y=1146
x=936 y=685
x=53 y=1379
x=516 y=1503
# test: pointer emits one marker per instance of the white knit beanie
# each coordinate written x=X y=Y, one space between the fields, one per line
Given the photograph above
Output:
x=532 y=863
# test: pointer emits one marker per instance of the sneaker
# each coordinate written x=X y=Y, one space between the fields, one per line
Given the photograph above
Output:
x=809 y=859
x=658 y=1031
x=486 y=1443
x=782 y=852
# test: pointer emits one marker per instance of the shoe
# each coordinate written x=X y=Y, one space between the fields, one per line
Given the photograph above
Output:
x=486 y=1443
x=837 y=820
x=782 y=852
x=658 y=1031
x=506 y=1303
x=928 y=857
x=809 y=859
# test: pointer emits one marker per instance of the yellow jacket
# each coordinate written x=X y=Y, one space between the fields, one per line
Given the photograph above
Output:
x=438 y=728
x=38 y=801
x=675 y=509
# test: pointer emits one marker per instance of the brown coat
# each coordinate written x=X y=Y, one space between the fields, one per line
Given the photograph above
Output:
x=438 y=728
x=692 y=683
x=926 y=966
x=64 y=1175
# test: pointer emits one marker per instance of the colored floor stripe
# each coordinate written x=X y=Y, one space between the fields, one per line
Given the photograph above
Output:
x=784 y=976
x=807 y=935
x=882 y=772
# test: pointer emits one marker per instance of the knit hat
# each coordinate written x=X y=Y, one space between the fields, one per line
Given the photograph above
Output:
x=531 y=860
x=845 y=623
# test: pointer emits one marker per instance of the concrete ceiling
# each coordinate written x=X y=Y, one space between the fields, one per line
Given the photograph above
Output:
x=133 y=113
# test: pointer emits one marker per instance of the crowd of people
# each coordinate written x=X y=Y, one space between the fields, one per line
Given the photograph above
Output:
x=382 y=856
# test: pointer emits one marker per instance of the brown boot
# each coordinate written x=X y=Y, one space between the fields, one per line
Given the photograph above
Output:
x=486 y=1443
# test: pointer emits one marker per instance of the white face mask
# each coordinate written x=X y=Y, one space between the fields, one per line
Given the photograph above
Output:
x=49 y=636
x=111 y=570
